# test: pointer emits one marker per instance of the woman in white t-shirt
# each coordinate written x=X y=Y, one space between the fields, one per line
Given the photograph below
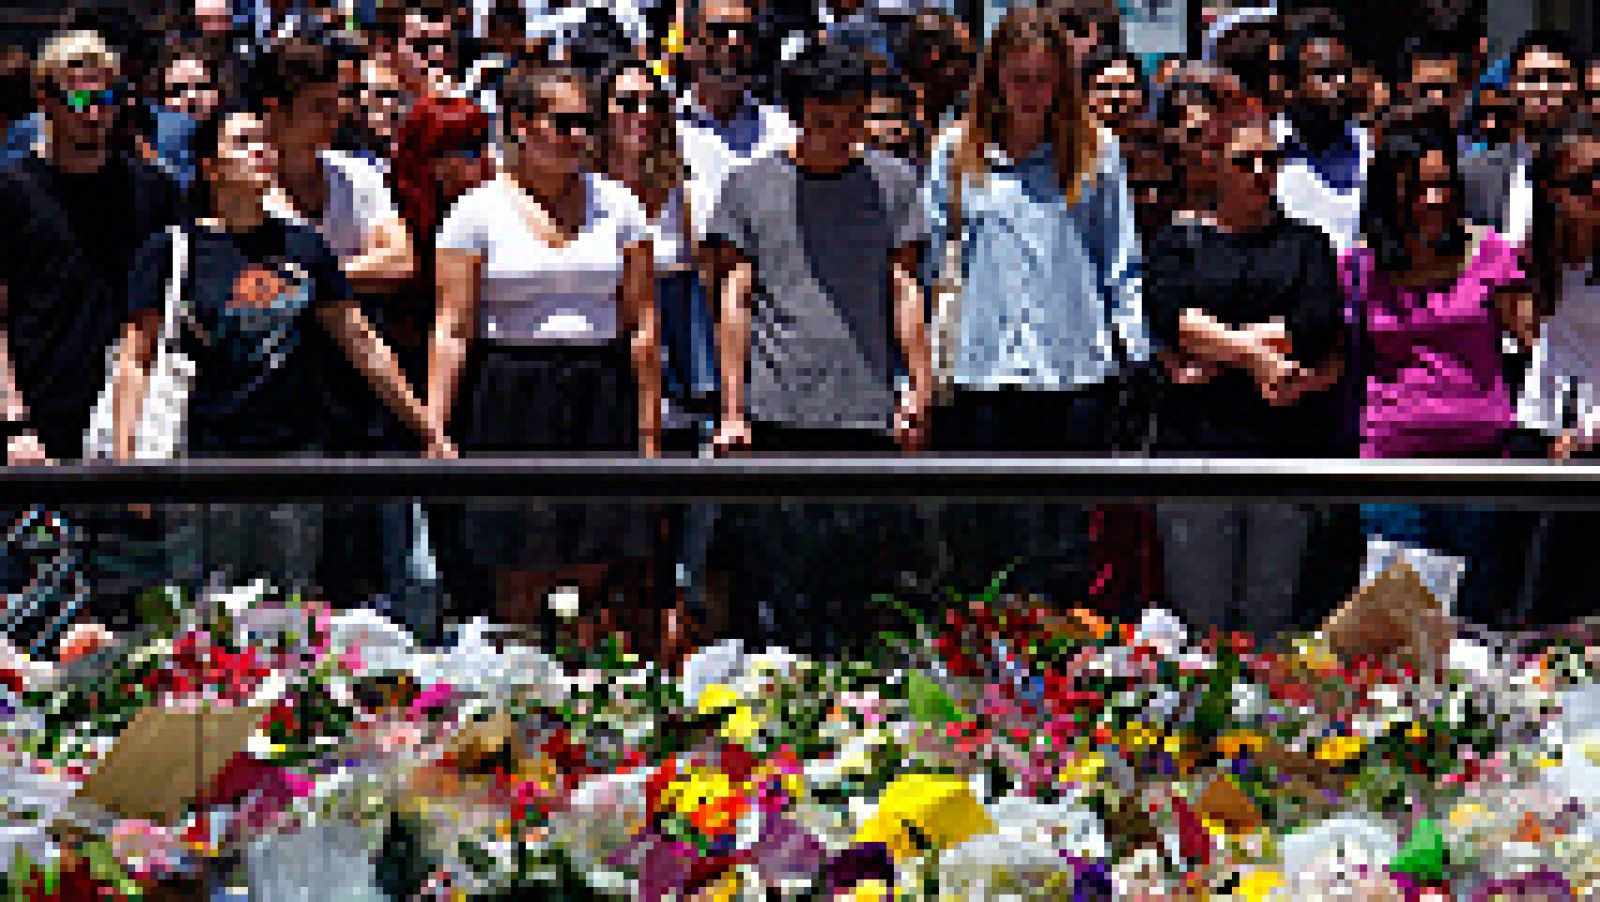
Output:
x=545 y=341
x=1561 y=396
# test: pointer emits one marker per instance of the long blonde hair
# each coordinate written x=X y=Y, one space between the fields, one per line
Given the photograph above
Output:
x=1074 y=136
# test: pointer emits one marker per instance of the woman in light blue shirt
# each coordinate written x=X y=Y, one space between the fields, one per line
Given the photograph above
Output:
x=1050 y=262
x=1034 y=190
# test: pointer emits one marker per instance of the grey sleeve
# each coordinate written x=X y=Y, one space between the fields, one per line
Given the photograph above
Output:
x=730 y=217
x=911 y=223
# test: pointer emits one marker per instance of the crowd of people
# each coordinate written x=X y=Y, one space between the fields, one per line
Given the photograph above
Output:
x=729 y=227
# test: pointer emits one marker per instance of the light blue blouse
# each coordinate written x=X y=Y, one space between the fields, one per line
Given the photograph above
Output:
x=1048 y=291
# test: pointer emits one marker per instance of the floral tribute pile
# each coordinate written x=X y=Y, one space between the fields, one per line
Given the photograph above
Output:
x=1004 y=748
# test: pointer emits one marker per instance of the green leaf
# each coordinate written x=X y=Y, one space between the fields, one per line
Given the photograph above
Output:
x=929 y=703
x=1423 y=857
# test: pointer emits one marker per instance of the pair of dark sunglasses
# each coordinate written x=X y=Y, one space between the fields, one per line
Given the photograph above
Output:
x=1581 y=183
x=571 y=125
x=1257 y=162
x=640 y=103
x=80 y=101
x=726 y=32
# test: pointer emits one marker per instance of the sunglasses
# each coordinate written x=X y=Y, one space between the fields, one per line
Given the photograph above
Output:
x=640 y=103
x=726 y=32
x=1581 y=184
x=430 y=47
x=80 y=101
x=571 y=125
x=1257 y=163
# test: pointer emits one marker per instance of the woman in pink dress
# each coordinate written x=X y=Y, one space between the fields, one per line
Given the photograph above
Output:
x=1430 y=298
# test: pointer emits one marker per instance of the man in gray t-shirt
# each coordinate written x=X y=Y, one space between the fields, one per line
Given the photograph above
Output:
x=821 y=247
x=823 y=288
x=821 y=243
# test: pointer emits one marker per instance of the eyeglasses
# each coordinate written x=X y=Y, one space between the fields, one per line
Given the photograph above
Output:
x=1259 y=162
x=638 y=103
x=80 y=101
x=572 y=125
x=386 y=96
x=1336 y=75
x=726 y=32
x=199 y=87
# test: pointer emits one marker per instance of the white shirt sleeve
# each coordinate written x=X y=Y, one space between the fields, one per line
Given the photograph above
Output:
x=465 y=229
x=1519 y=207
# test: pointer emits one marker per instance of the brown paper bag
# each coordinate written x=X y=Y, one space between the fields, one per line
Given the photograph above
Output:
x=1224 y=802
x=165 y=758
x=1393 y=614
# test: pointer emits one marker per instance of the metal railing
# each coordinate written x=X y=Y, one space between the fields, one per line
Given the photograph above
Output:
x=1535 y=484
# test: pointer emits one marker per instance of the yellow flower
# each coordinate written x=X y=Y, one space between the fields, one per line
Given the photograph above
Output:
x=1337 y=750
x=940 y=807
x=716 y=697
x=1139 y=736
x=871 y=891
x=1258 y=886
x=1083 y=769
x=725 y=889
x=1315 y=656
x=742 y=725
x=1229 y=745
x=1173 y=744
x=1416 y=733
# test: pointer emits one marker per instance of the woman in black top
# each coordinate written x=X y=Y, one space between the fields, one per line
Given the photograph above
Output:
x=1246 y=307
x=265 y=313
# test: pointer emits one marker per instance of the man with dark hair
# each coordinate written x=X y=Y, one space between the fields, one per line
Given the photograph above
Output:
x=1543 y=84
x=892 y=124
x=345 y=197
x=822 y=293
x=1435 y=72
x=1323 y=178
x=1254 y=52
x=1089 y=23
x=427 y=44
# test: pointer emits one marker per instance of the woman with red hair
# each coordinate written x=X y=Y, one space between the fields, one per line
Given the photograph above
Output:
x=441 y=153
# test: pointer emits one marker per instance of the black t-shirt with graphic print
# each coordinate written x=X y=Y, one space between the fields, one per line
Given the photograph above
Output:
x=261 y=354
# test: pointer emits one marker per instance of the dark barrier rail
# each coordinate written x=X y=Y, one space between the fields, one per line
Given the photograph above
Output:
x=1535 y=484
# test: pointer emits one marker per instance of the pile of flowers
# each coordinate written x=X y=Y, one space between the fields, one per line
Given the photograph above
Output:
x=1005 y=747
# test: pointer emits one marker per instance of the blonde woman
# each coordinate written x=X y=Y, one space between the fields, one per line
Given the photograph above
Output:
x=1050 y=311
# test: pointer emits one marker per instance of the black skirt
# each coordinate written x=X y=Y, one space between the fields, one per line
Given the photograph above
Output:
x=558 y=401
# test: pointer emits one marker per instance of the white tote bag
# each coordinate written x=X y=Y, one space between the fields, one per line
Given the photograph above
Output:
x=164 y=414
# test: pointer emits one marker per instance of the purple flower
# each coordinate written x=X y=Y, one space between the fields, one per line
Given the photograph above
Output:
x=867 y=861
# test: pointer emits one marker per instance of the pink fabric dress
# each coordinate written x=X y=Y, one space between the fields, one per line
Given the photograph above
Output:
x=1434 y=384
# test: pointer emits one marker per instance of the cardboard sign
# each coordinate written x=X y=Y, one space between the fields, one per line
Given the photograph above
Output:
x=165 y=758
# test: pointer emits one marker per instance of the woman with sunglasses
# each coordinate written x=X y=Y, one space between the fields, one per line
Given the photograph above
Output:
x=1244 y=304
x=1430 y=296
x=639 y=149
x=545 y=341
